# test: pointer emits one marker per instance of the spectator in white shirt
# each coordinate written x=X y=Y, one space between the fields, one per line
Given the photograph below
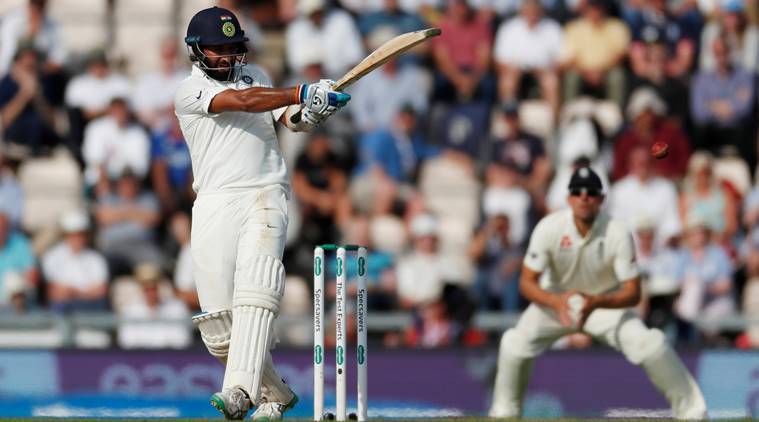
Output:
x=88 y=95
x=333 y=29
x=77 y=276
x=156 y=319
x=154 y=92
x=380 y=95
x=419 y=273
x=528 y=44
x=93 y=91
x=30 y=23
x=112 y=144
x=643 y=195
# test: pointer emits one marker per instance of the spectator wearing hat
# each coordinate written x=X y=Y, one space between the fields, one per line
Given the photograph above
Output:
x=595 y=45
x=31 y=24
x=641 y=194
x=659 y=265
x=154 y=319
x=651 y=72
x=722 y=105
x=462 y=55
x=333 y=29
x=513 y=146
x=740 y=35
x=529 y=45
x=112 y=144
x=126 y=219
x=16 y=256
x=498 y=261
x=650 y=124
x=77 y=276
x=706 y=292
x=655 y=22
x=26 y=115
x=422 y=278
x=703 y=197
x=380 y=95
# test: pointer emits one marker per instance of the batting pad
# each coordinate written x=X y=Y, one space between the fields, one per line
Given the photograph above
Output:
x=273 y=388
x=259 y=285
x=216 y=331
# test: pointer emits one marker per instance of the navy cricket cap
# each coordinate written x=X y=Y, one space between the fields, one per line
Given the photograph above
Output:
x=214 y=26
x=585 y=177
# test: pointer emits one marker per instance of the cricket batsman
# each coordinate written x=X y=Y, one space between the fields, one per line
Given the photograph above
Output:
x=592 y=282
x=227 y=110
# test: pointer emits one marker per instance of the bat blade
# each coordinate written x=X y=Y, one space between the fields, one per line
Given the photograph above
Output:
x=378 y=57
x=383 y=53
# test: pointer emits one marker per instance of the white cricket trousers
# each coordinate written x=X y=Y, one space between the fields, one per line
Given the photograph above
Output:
x=230 y=226
x=538 y=328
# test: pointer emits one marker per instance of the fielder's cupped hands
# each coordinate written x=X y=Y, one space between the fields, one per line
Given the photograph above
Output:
x=571 y=312
x=320 y=101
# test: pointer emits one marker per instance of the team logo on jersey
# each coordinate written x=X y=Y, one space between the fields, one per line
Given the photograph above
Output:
x=247 y=79
x=228 y=29
x=566 y=242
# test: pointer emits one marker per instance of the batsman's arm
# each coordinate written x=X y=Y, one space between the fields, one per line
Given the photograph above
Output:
x=255 y=99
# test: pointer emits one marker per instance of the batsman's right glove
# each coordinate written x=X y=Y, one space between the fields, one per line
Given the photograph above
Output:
x=320 y=101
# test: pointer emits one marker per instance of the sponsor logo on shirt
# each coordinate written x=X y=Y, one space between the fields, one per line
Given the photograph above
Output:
x=565 y=243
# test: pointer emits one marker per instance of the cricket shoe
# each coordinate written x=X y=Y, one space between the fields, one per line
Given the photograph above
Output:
x=273 y=411
x=233 y=403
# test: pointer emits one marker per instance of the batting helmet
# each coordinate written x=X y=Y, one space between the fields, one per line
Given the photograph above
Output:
x=216 y=26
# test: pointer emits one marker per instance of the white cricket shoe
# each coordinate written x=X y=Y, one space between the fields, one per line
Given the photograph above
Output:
x=233 y=403
x=273 y=411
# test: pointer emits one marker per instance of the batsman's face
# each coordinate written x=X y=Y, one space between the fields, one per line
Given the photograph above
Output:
x=220 y=56
x=585 y=203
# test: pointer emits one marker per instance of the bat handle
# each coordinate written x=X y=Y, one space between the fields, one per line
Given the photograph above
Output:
x=295 y=118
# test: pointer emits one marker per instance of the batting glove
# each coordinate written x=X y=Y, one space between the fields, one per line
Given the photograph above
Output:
x=320 y=101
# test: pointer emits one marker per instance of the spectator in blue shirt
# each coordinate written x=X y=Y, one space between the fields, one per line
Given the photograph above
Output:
x=706 y=292
x=16 y=256
x=722 y=104
x=397 y=151
x=171 y=170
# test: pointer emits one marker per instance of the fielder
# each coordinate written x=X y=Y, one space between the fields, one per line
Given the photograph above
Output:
x=227 y=110
x=590 y=258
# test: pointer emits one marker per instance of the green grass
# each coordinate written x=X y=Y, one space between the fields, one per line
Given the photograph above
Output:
x=461 y=419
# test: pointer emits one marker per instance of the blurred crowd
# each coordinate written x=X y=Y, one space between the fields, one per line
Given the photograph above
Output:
x=443 y=163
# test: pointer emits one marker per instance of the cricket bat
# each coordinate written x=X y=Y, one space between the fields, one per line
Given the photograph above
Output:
x=378 y=57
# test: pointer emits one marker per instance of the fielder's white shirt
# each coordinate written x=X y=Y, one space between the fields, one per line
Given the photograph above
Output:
x=594 y=264
x=233 y=149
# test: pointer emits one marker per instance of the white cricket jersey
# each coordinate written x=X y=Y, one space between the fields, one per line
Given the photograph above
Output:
x=233 y=149
x=594 y=264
